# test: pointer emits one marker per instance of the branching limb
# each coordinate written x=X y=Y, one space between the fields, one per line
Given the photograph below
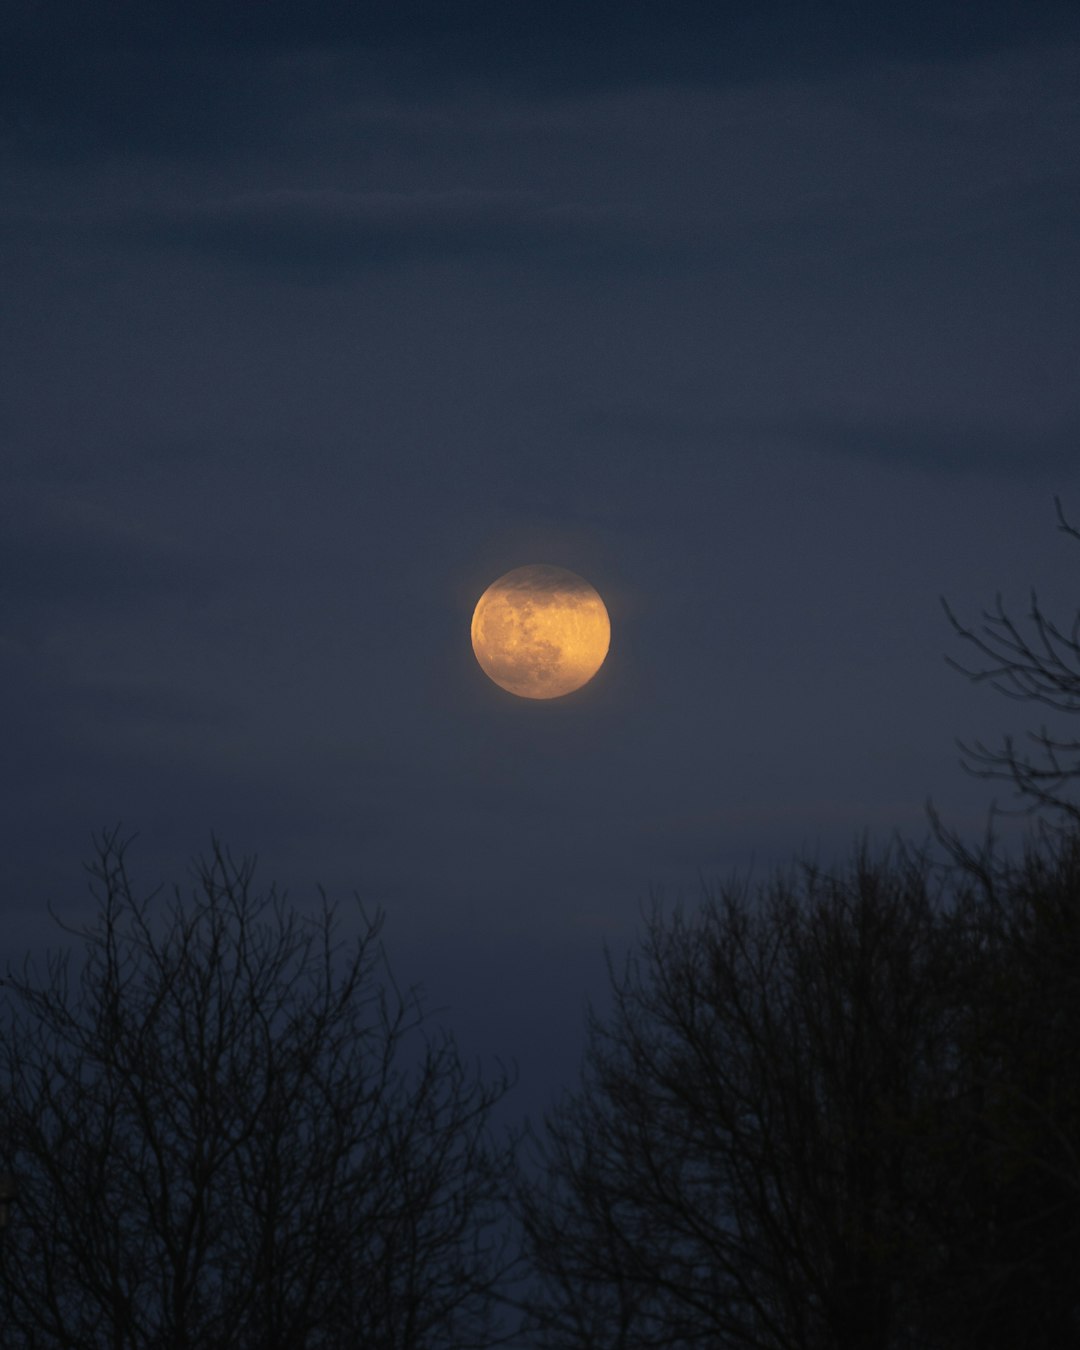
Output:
x=1038 y=663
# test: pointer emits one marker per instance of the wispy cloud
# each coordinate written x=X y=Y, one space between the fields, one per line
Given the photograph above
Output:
x=334 y=230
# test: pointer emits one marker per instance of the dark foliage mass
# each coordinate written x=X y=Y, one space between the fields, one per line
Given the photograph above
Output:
x=227 y=1129
x=841 y=1112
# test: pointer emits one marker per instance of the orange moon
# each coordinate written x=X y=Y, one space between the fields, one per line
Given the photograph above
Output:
x=540 y=631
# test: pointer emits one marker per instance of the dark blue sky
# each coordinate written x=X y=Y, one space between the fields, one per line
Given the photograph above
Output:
x=316 y=319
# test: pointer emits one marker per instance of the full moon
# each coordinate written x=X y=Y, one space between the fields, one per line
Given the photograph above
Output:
x=540 y=631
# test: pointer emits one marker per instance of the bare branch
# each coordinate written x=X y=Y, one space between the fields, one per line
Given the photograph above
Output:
x=1042 y=668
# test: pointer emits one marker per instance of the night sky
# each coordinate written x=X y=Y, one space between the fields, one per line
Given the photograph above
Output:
x=316 y=319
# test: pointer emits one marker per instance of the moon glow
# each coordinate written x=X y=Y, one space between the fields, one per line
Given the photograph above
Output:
x=540 y=631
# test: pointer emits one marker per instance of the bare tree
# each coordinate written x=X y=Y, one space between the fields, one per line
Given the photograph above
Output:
x=228 y=1129
x=1008 y=1155
x=837 y=1114
x=740 y=1166
x=1040 y=666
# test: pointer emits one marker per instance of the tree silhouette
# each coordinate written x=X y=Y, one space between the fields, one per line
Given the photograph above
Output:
x=1043 y=667
x=220 y=1137
x=1011 y=1227
x=809 y=1121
